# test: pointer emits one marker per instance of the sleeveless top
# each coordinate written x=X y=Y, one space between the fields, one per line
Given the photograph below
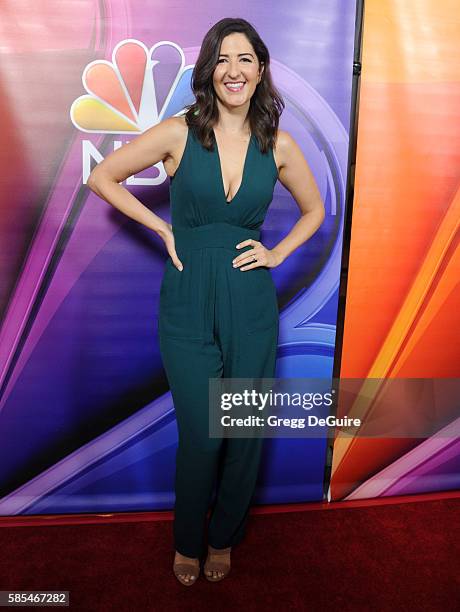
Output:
x=197 y=195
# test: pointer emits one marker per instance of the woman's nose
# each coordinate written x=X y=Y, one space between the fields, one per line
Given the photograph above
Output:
x=233 y=70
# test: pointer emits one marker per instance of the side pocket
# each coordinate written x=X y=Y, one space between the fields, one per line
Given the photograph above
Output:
x=179 y=305
x=260 y=300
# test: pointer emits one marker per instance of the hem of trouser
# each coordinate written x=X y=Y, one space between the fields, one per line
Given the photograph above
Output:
x=233 y=542
x=188 y=553
x=196 y=555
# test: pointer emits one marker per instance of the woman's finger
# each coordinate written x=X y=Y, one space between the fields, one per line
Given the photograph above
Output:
x=258 y=253
x=245 y=257
x=176 y=261
x=250 y=266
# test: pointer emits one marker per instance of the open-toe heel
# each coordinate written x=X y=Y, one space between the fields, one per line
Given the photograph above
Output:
x=187 y=567
x=217 y=566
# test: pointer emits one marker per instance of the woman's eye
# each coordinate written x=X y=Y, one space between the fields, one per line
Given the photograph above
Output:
x=222 y=59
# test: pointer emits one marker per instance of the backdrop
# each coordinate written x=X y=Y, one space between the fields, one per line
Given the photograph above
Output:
x=86 y=418
x=403 y=295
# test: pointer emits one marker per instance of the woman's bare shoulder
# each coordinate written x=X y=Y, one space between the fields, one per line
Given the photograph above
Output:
x=283 y=140
x=284 y=146
x=177 y=126
x=172 y=128
x=281 y=147
x=178 y=129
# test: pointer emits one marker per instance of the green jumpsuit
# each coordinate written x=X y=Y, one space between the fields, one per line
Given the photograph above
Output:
x=215 y=321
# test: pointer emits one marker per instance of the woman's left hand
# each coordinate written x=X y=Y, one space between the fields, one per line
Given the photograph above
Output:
x=257 y=256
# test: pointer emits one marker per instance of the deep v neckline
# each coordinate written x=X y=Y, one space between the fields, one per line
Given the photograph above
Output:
x=221 y=176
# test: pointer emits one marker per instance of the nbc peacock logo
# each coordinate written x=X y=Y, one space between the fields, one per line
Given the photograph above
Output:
x=124 y=97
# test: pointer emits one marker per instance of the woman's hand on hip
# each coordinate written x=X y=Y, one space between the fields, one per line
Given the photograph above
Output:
x=257 y=256
x=167 y=235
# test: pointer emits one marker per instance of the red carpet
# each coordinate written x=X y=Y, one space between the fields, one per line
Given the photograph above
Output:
x=394 y=556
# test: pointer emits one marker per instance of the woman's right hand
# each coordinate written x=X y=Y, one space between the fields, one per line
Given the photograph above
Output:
x=168 y=237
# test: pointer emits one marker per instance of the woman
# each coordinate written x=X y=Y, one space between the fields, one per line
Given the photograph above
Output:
x=218 y=313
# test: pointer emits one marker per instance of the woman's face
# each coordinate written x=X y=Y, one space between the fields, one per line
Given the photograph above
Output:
x=237 y=64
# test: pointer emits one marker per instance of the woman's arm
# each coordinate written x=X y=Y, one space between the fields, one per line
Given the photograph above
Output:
x=296 y=176
x=146 y=150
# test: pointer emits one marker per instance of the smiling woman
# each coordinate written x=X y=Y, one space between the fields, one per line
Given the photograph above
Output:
x=218 y=311
x=223 y=312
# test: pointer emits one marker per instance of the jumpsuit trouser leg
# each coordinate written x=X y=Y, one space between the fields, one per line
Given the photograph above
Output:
x=241 y=457
x=215 y=343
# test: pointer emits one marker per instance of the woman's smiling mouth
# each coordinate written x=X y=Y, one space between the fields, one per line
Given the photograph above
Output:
x=234 y=86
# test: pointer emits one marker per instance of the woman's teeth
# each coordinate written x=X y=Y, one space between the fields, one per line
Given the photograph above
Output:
x=234 y=87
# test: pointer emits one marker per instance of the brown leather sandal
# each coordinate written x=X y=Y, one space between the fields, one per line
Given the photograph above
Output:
x=217 y=566
x=186 y=567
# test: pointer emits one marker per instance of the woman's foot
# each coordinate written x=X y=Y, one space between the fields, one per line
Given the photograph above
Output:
x=186 y=569
x=217 y=564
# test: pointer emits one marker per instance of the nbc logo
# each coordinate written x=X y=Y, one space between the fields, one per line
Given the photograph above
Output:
x=122 y=95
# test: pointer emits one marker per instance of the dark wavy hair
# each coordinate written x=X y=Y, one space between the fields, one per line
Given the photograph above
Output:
x=266 y=103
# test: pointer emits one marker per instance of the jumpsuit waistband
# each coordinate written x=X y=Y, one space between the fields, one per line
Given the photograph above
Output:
x=221 y=234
